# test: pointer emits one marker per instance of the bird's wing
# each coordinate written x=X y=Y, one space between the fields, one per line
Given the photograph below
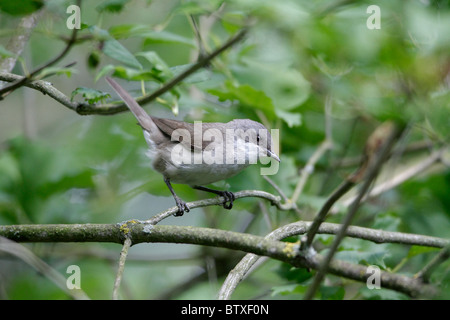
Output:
x=168 y=126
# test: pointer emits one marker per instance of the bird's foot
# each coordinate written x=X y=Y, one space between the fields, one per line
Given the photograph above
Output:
x=228 y=199
x=182 y=207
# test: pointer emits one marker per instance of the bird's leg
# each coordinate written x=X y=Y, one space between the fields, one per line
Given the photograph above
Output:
x=227 y=195
x=182 y=206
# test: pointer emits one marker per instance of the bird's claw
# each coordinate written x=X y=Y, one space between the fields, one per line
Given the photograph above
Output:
x=182 y=207
x=228 y=199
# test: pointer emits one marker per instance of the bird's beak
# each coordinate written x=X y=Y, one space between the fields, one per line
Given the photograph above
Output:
x=273 y=155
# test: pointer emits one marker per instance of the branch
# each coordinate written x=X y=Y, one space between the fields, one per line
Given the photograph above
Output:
x=112 y=108
x=402 y=176
x=275 y=200
x=425 y=273
x=373 y=144
x=243 y=268
x=8 y=89
x=123 y=258
x=39 y=265
x=45 y=87
x=377 y=149
x=309 y=169
x=139 y=233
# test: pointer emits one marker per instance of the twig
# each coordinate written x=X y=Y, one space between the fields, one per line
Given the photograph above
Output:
x=116 y=108
x=321 y=215
x=373 y=167
x=44 y=87
x=244 y=267
x=425 y=273
x=8 y=89
x=309 y=169
x=113 y=108
x=123 y=257
x=275 y=200
x=413 y=147
x=39 y=265
x=276 y=187
x=401 y=177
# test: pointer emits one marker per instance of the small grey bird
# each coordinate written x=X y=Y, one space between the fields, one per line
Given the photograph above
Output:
x=201 y=153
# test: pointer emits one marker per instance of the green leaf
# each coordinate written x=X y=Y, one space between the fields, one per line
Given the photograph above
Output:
x=114 y=49
x=90 y=95
x=299 y=275
x=153 y=37
x=332 y=293
x=117 y=51
x=56 y=71
x=127 y=73
x=4 y=53
x=20 y=8
x=381 y=294
x=387 y=221
x=292 y=119
x=198 y=76
x=416 y=250
x=113 y=6
x=289 y=289
x=129 y=30
x=150 y=36
x=246 y=95
x=368 y=257
x=158 y=66
x=284 y=85
x=94 y=59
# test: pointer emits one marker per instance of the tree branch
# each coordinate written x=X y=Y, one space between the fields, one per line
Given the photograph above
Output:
x=123 y=257
x=275 y=200
x=378 y=148
x=140 y=232
x=45 y=87
x=243 y=268
x=425 y=273
x=113 y=108
x=8 y=89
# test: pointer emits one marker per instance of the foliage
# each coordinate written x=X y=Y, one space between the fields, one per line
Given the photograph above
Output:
x=311 y=69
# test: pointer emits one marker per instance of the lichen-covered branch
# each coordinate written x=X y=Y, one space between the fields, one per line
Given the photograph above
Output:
x=300 y=228
x=143 y=232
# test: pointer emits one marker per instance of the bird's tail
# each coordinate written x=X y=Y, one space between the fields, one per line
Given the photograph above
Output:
x=145 y=121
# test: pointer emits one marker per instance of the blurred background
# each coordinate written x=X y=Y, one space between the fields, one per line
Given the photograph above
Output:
x=315 y=70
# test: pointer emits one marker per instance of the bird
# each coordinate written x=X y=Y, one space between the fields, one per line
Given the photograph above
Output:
x=199 y=154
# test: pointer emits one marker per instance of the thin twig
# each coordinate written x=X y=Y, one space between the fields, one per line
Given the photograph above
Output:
x=45 y=87
x=123 y=257
x=275 y=200
x=8 y=89
x=374 y=165
x=116 y=108
x=309 y=169
x=41 y=266
x=321 y=215
x=401 y=177
x=276 y=187
x=425 y=273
